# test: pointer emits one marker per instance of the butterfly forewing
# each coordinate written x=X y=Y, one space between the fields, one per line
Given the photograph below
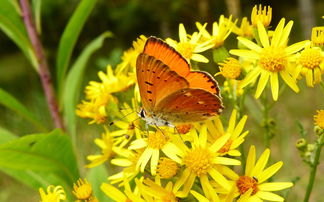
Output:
x=203 y=80
x=189 y=105
x=162 y=51
x=156 y=81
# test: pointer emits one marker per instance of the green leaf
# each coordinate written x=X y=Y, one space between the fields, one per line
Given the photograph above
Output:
x=12 y=103
x=37 y=4
x=96 y=176
x=74 y=79
x=69 y=38
x=12 y=25
x=6 y=135
x=49 y=155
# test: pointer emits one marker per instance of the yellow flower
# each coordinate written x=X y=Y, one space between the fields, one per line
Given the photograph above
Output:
x=311 y=65
x=115 y=194
x=156 y=141
x=167 y=168
x=127 y=159
x=245 y=30
x=200 y=160
x=319 y=119
x=220 y=31
x=106 y=146
x=110 y=83
x=216 y=130
x=318 y=36
x=154 y=191
x=261 y=15
x=54 y=194
x=271 y=58
x=83 y=191
x=99 y=94
x=190 y=46
x=129 y=57
x=252 y=186
x=92 y=110
x=230 y=68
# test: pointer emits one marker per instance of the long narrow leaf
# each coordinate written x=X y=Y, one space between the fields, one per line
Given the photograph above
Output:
x=6 y=135
x=74 y=79
x=11 y=24
x=12 y=103
x=69 y=38
x=37 y=4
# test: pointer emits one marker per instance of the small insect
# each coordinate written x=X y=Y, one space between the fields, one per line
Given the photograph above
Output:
x=255 y=178
x=170 y=92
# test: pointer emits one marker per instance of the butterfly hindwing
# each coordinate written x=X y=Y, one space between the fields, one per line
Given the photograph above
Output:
x=156 y=80
x=189 y=105
x=162 y=51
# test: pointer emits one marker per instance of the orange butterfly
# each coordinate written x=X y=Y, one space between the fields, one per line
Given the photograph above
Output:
x=170 y=92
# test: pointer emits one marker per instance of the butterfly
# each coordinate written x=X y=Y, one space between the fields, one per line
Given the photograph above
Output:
x=171 y=93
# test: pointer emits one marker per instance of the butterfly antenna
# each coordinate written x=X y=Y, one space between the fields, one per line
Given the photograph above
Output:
x=176 y=129
x=112 y=122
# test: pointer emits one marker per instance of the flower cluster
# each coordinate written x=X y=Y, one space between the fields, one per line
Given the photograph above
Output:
x=199 y=160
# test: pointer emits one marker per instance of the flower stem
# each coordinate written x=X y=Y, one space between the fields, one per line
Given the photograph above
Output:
x=265 y=124
x=320 y=143
x=43 y=69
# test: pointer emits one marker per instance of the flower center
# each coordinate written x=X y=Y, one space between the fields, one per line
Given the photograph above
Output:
x=319 y=118
x=273 y=59
x=157 y=140
x=186 y=49
x=311 y=58
x=199 y=160
x=167 y=168
x=244 y=183
x=226 y=147
x=231 y=69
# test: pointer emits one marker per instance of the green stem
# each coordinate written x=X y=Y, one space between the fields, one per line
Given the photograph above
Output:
x=238 y=103
x=322 y=85
x=314 y=167
x=265 y=124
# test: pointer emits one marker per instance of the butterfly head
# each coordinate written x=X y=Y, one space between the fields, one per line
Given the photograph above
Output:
x=152 y=119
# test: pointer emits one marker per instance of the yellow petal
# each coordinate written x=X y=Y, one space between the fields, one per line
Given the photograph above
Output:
x=274 y=85
x=275 y=186
x=245 y=53
x=261 y=163
x=263 y=35
x=269 y=196
x=277 y=33
x=219 y=178
x=269 y=172
x=182 y=33
x=251 y=45
x=285 y=34
x=296 y=47
x=250 y=161
x=199 y=58
x=250 y=77
x=289 y=80
x=262 y=83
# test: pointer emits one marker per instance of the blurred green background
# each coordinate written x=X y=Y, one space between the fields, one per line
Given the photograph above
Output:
x=127 y=19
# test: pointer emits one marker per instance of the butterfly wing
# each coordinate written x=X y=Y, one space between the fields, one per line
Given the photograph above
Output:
x=203 y=80
x=162 y=51
x=189 y=105
x=156 y=81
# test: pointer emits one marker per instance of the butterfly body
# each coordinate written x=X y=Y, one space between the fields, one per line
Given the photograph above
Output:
x=170 y=92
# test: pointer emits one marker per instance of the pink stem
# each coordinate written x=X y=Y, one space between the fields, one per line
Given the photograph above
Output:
x=44 y=73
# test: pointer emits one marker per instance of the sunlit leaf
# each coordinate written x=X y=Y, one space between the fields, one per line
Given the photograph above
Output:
x=74 y=79
x=69 y=38
x=49 y=155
